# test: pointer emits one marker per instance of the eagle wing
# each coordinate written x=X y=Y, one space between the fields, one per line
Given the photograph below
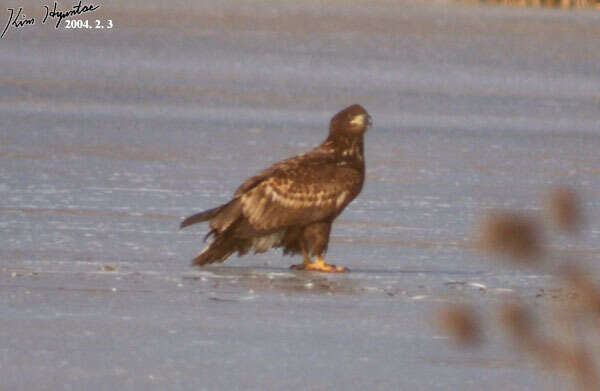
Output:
x=298 y=191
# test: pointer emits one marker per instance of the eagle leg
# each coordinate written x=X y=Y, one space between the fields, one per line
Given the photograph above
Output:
x=314 y=239
x=305 y=260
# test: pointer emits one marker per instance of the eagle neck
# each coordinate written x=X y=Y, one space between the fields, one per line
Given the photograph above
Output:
x=348 y=148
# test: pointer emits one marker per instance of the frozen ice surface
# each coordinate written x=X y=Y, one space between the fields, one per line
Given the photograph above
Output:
x=108 y=138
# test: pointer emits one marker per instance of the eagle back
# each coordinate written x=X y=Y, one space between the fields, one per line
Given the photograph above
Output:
x=309 y=187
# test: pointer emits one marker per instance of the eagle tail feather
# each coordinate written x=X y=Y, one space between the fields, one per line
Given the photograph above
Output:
x=210 y=233
x=200 y=217
x=217 y=251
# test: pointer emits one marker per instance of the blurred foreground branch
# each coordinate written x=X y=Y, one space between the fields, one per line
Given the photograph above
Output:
x=519 y=239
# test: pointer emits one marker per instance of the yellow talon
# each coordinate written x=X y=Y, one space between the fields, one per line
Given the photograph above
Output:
x=318 y=265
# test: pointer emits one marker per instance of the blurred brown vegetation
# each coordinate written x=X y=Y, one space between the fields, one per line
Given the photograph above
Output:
x=462 y=323
x=566 y=346
x=511 y=234
x=562 y=208
x=565 y=4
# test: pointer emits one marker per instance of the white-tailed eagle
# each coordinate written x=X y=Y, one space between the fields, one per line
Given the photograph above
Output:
x=292 y=203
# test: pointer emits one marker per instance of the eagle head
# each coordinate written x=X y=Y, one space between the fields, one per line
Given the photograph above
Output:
x=353 y=120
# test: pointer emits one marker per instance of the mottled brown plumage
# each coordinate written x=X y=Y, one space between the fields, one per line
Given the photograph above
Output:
x=292 y=203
